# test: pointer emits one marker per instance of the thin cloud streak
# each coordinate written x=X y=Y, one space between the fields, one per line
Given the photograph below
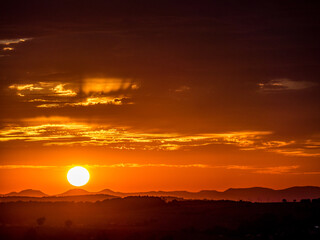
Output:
x=9 y=44
x=25 y=167
x=121 y=138
x=45 y=89
x=13 y=41
x=284 y=84
x=63 y=132
x=265 y=170
x=294 y=169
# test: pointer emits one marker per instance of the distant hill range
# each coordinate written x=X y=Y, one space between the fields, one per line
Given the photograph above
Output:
x=73 y=195
x=255 y=194
x=27 y=192
x=76 y=192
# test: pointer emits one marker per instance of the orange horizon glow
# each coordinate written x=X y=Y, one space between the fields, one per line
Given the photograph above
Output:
x=130 y=177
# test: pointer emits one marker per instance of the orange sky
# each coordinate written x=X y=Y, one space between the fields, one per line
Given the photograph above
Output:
x=178 y=97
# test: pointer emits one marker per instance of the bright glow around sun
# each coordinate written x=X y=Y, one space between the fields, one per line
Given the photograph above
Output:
x=78 y=176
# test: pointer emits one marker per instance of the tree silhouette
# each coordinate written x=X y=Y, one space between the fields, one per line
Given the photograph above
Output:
x=41 y=220
x=68 y=223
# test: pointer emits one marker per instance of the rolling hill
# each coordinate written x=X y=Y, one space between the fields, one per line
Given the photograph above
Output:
x=254 y=194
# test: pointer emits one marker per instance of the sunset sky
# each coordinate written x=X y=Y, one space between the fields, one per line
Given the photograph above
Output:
x=159 y=95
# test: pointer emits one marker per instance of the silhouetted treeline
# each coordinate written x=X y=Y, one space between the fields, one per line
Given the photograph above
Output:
x=154 y=218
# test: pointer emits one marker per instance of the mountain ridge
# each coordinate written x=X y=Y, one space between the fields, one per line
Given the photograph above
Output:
x=254 y=194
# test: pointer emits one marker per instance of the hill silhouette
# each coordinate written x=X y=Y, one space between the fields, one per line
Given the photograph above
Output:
x=27 y=193
x=254 y=194
x=75 y=192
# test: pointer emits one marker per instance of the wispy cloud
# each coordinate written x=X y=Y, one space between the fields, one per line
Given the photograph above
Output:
x=9 y=44
x=100 y=100
x=116 y=165
x=182 y=89
x=57 y=131
x=61 y=91
x=254 y=169
x=13 y=41
x=138 y=165
x=283 y=84
x=7 y=48
x=107 y=85
x=46 y=89
x=25 y=167
x=302 y=151
x=290 y=169
x=264 y=170
x=86 y=102
x=107 y=91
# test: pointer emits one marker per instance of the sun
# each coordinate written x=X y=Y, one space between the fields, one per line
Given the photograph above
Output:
x=78 y=176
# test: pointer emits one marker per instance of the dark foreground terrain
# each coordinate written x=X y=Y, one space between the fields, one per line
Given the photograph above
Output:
x=154 y=218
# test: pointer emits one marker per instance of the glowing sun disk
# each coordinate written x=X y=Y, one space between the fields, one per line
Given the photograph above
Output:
x=78 y=176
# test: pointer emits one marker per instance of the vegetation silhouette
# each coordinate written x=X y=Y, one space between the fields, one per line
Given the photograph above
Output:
x=68 y=223
x=155 y=218
x=41 y=220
